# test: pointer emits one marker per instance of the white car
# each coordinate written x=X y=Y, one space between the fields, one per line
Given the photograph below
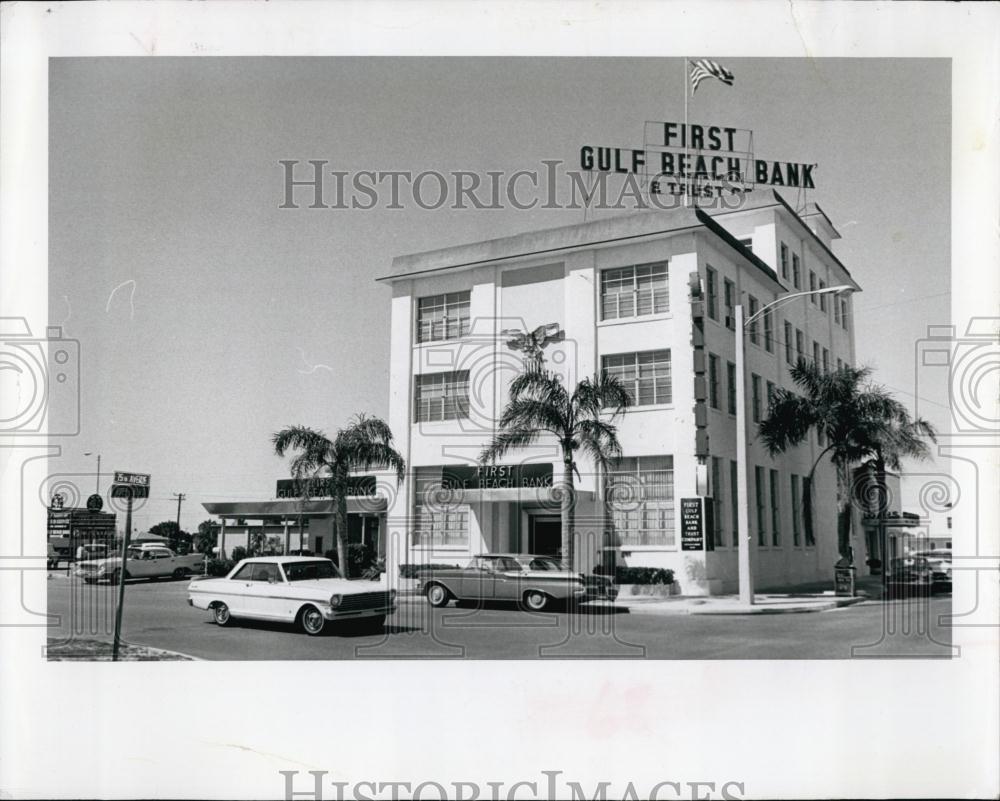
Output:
x=304 y=590
x=141 y=561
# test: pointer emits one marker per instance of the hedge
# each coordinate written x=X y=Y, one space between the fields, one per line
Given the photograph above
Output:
x=640 y=575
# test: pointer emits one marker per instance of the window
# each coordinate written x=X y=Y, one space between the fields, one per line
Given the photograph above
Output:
x=634 y=291
x=717 y=499
x=807 y=518
x=755 y=394
x=640 y=500
x=713 y=380
x=645 y=375
x=443 y=317
x=840 y=365
x=822 y=298
x=815 y=353
x=784 y=261
x=243 y=574
x=812 y=287
x=768 y=332
x=734 y=503
x=843 y=313
x=796 y=271
x=836 y=310
x=759 y=490
x=754 y=308
x=796 y=513
x=789 y=357
x=441 y=396
x=438 y=519
x=800 y=345
x=775 y=510
x=826 y=361
x=712 y=292
x=731 y=388
x=730 y=300
x=770 y=394
x=266 y=572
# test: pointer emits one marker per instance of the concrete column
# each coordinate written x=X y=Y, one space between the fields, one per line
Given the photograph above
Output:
x=287 y=542
x=222 y=539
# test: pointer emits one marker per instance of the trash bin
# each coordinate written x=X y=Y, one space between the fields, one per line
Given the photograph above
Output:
x=843 y=580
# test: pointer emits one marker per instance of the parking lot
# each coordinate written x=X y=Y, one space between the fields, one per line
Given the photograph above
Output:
x=157 y=615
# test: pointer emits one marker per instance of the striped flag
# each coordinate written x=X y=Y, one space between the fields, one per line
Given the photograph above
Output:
x=706 y=68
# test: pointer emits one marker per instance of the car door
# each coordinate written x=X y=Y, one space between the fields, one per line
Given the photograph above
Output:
x=140 y=564
x=265 y=597
x=239 y=589
x=163 y=562
x=507 y=581
x=478 y=579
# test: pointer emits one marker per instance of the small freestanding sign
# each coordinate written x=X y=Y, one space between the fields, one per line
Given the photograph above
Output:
x=128 y=486
x=692 y=525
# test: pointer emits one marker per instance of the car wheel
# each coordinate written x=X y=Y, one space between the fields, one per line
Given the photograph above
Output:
x=536 y=601
x=181 y=572
x=312 y=620
x=438 y=595
x=220 y=612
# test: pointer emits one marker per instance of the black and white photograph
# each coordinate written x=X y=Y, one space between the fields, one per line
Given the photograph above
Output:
x=371 y=365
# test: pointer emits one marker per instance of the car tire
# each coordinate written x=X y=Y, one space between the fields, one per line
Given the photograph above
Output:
x=312 y=621
x=438 y=595
x=535 y=600
x=221 y=614
x=181 y=573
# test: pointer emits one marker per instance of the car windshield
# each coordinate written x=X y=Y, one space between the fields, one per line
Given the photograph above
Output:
x=134 y=553
x=546 y=564
x=305 y=571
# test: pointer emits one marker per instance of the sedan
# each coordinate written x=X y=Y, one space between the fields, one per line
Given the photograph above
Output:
x=534 y=581
x=306 y=591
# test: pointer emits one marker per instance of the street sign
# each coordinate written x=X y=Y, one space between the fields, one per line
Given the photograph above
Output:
x=129 y=491
x=135 y=479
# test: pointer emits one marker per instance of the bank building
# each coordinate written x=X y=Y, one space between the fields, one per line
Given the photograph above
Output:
x=649 y=297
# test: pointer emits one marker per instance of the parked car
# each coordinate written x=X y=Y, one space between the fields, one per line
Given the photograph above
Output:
x=940 y=561
x=909 y=573
x=91 y=550
x=307 y=591
x=141 y=561
x=535 y=581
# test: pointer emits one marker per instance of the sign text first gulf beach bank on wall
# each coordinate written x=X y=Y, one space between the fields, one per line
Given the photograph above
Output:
x=679 y=158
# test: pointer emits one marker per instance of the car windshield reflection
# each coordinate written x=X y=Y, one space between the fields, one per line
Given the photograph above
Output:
x=305 y=571
x=546 y=564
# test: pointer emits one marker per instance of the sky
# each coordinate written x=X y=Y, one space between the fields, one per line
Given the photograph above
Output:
x=208 y=317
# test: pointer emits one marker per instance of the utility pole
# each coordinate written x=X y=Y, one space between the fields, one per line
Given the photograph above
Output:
x=180 y=496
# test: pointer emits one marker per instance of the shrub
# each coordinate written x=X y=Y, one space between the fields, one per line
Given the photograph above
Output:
x=639 y=575
x=413 y=571
x=220 y=567
x=360 y=558
x=239 y=552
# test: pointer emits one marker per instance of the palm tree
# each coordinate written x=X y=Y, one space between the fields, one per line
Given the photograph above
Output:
x=859 y=420
x=582 y=420
x=365 y=444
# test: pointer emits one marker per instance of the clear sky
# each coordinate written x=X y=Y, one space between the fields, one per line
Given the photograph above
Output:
x=243 y=317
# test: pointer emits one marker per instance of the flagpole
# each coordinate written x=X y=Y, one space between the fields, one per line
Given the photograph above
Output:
x=687 y=194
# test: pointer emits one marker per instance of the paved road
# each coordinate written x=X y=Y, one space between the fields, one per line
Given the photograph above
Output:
x=157 y=614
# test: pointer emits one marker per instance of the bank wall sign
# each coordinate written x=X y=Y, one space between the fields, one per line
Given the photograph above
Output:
x=700 y=160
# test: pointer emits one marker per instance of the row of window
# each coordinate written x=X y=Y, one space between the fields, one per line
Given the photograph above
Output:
x=639 y=504
x=840 y=313
x=768 y=507
x=795 y=349
x=645 y=375
x=756 y=397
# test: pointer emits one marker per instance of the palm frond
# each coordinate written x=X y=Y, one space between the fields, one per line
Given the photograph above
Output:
x=507 y=440
x=789 y=420
x=599 y=439
x=534 y=413
x=594 y=396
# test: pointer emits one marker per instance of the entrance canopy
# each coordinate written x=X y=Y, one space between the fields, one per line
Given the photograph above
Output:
x=544 y=496
x=252 y=510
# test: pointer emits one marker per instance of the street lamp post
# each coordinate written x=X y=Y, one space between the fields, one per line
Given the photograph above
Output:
x=742 y=436
x=90 y=453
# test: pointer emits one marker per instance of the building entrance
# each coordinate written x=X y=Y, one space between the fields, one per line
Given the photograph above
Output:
x=545 y=535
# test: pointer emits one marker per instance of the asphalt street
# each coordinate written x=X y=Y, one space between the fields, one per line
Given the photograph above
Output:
x=157 y=615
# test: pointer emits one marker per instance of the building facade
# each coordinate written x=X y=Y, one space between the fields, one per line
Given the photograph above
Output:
x=650 y=298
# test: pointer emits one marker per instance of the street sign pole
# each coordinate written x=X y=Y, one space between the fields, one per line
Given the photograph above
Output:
x=121 y=577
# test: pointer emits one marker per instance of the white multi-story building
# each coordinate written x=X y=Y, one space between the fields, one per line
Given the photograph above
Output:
x=620 y=293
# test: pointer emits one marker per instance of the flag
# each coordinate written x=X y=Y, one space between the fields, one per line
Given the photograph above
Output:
x=706 y=68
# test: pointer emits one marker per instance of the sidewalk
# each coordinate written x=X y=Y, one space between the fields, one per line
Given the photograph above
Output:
x=816 y=597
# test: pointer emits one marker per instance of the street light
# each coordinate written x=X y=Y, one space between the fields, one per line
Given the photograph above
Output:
x=91 y=453
x=743 y=491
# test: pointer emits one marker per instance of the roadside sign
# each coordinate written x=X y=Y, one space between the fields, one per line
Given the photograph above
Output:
x=692 y=525
x=129 y=486
x=129 y=491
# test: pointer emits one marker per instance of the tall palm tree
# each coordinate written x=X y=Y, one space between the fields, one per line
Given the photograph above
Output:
x=579 y=420
x=365 y=444
x=859 y=421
